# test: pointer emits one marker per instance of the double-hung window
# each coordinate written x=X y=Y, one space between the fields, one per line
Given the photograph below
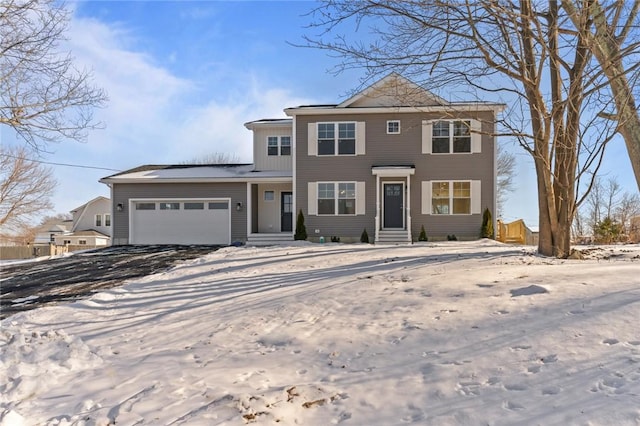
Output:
x=326 y=198
x=337 y=198
x=346 y=138
x=451 y=136
x=272 y=145
x=347 y=198
x=343 y=144
x=326 y=139
x=278 y=145
x=107 y=220
x=285 y=145
x=451 y=197
x=98 y=220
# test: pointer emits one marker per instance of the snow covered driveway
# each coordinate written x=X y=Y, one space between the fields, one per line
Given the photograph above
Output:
x=458 y=333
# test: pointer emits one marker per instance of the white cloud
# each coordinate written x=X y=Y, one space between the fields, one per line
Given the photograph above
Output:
x=153 y=115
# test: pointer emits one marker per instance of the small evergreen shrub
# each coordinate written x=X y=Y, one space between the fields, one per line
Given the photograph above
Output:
x=301 y=230
x=487 y=224
x=423 y=234
x=364 y=237
x=452 y=237
x=335 y=239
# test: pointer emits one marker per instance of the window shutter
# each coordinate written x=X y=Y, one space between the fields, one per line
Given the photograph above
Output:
x=360 y=198
x=312 y=199
x=476 y=136
x=426 y=197
x=360 y=138
x=476 y=197
x=426 y=136
x=312 y=139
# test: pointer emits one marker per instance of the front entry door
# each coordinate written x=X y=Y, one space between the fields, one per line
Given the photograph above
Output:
x=393 y=206
x=286 y=212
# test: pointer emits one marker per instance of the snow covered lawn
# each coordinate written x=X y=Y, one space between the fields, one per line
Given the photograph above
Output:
x=439 y=333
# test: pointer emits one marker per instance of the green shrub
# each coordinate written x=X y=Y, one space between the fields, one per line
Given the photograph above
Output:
x=452 y=237
x=364 y=237
x=487 y=224
x=423 y=234
x=301 y=230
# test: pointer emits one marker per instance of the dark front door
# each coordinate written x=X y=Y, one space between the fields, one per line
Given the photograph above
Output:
x=286 y=212
x=393 y=208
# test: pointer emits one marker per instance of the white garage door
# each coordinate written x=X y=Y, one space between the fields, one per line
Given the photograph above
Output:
x=180 y=222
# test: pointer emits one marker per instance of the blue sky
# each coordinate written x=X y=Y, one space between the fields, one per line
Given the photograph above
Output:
x=183 y=77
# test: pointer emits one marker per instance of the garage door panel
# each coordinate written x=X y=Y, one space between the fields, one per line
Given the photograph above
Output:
x=193 y=225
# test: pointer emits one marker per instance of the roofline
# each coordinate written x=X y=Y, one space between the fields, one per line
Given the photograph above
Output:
x=454 y=107
x=269 y=122
x=239 y=179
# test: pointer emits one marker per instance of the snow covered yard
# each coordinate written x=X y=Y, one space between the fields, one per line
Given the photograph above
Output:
x=457 y=333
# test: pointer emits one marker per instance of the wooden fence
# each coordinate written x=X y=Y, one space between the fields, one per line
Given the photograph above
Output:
x=515 y=233
x=33 y=251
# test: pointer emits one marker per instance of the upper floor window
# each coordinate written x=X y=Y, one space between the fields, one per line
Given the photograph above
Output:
x=272 y=145
x=455 y=136
x=278 y=145
x=343 y=144
x=393 y=127
x=98 y=220
x=107 y=220
x=451 y=136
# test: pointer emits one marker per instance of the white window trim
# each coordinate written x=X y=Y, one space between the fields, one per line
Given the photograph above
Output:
x=475 y=188
x=97 y=218
x=279 y=145
x=427 y=136
x=264 y=196
x=312 y=144
x=359 y=198
x=399 y=128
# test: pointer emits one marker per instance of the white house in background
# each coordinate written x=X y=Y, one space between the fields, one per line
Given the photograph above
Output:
x=91 y=224
x=47 y=232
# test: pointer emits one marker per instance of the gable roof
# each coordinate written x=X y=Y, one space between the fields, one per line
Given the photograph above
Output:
x=394 y=93
x=393 y=90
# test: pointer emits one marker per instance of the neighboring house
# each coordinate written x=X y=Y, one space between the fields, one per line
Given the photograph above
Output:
x=91 y=224
x=48 y=231
x=390 y=159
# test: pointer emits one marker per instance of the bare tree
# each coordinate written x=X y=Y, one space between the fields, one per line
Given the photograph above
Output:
x=529 y=52
x=25 y=189
x=611 y=31
x=43 y=97
x=607 y=201
x=506 y=163
x=215 y=158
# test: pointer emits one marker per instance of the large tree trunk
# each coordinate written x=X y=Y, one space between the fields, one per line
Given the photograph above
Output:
x=605 y=46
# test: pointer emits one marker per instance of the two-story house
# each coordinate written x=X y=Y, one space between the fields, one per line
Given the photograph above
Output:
x=390 y=159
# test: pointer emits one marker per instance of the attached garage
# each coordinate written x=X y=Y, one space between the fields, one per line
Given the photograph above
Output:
x=180 y=221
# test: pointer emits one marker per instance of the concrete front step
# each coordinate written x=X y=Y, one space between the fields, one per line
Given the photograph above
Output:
x=268 y=239
x=393 y=237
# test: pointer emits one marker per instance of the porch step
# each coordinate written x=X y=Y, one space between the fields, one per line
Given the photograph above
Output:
x=269 y=239
x=400 y=236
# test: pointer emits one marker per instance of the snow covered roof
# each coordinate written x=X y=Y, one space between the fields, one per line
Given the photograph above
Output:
x=196 y=173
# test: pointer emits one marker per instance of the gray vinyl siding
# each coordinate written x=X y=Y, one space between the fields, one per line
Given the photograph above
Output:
x=123 y=192
x=403 y=149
